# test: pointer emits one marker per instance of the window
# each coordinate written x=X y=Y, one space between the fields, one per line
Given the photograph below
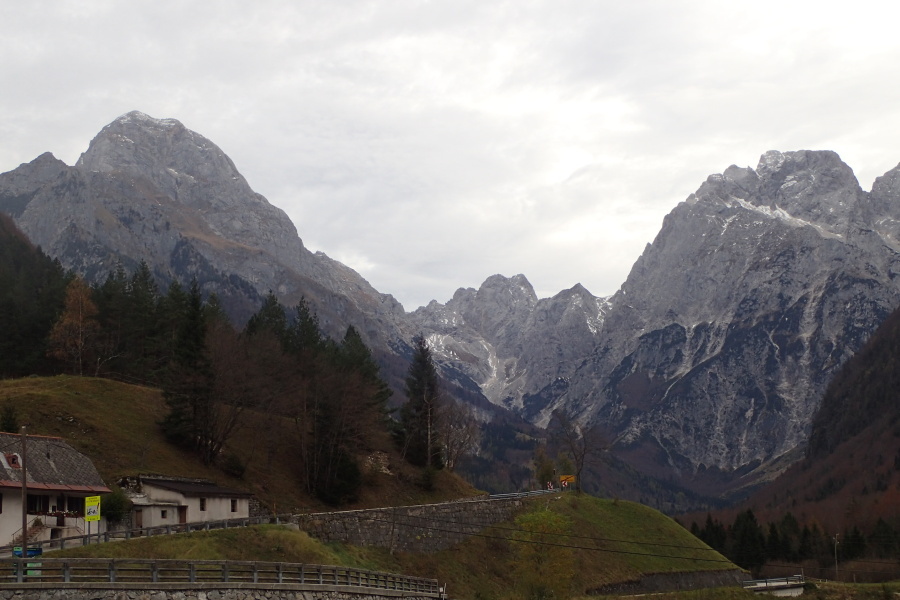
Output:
x=38 y=504
x=233 y=505
x=164 y=514
x=202 y=503
x=13 y=461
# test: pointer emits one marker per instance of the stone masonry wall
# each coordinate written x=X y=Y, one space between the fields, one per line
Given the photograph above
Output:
x=57 y=592
x=423 y=528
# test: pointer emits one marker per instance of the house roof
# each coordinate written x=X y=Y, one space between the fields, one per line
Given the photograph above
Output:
x=51 y=465
x=193 y=487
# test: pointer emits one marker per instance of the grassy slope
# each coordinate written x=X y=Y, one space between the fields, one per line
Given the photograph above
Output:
x=482 y=567
x=115 y=424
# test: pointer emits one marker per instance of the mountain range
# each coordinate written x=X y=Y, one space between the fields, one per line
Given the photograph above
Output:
x=704 y=370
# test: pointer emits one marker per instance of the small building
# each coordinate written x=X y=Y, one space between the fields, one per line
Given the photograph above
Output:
x=159 y=501
x=58 y=480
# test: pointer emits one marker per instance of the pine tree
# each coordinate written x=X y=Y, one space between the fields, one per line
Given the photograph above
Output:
x=188 y=390
x=749 y=542
x=418 y=417
x=269 y=318
x=355 y=356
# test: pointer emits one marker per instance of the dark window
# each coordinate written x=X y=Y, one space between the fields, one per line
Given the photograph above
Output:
x=233 y=505
x=13 y=460
x=164 y=514
x=38 y=504
x=202 y=503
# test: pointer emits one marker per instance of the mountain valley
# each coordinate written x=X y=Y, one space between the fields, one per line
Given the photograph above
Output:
x=704 y=371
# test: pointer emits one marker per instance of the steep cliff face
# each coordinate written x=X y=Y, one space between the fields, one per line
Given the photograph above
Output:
x=708 y=364
x=718 y=346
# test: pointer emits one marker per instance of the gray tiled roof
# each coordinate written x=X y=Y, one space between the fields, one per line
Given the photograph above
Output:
x=194 y=487
x=51 y=463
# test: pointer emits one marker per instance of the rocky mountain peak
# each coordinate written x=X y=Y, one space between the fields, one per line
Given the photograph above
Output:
x=814 y=186
x=515 y=290
x=20 y=182
x=181 y=162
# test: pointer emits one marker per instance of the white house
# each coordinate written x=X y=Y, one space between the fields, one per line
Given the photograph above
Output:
x=161 y=500
x=58 y=479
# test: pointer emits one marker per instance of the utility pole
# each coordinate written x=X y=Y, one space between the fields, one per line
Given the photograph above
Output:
x=24 y=497
x=836 y=542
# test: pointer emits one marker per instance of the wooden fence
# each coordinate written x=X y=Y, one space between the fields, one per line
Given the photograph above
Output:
x=17 y=571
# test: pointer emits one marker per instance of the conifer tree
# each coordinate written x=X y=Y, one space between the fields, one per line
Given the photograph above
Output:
x=418 y=433
x=269 y=318
x=188 y=388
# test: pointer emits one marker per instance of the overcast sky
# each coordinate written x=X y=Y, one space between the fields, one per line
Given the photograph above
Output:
x=429 y=145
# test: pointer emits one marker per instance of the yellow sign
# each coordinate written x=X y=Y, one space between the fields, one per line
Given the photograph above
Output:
x=567 y=479
x=92 y=508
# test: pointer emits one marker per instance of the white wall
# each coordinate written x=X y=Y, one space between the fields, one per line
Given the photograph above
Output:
x=11 y=518
x=217 y=508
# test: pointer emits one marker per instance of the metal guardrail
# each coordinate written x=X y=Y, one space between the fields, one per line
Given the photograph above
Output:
x=524 y=494
x=774 y=583
x=18 y=571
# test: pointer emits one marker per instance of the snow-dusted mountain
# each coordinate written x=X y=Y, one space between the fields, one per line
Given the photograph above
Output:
x=704 y=368
x=708 y=364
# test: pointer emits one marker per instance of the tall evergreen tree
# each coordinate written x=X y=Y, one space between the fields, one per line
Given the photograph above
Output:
x=748 y=542
x=188 y=388
x=304 y=333
x=269 y=318
x=355 y=356
x=418 y=432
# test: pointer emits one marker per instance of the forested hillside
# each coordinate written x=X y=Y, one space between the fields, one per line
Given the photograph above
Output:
x=32 y=288
x=322 y=401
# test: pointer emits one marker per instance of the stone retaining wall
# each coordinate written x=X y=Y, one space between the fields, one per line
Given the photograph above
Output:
x=423 y=528
x=200 y=592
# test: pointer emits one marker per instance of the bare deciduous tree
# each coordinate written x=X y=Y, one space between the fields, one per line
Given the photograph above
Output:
x=581 y=443
x=460 y=432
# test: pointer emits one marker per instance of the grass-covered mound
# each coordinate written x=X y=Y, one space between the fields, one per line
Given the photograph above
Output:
x=569 y=543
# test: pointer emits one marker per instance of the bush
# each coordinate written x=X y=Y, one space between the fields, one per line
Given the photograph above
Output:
x=426 y=480
x=233 y=465
x=115 y=506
